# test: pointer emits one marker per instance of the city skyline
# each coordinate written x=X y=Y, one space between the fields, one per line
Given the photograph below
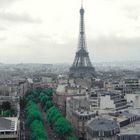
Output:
x=47 y=32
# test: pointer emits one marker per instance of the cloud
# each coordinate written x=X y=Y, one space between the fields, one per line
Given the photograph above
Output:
x=113 y=48
x=2 y=38
x=100 y=49
x=133 y=16
x=38 y=37
x=14 y=17
x=112 y=41
x=5 y=3
x=47 y=39
x=2 y=29
x=132 y=9
x=133 y=13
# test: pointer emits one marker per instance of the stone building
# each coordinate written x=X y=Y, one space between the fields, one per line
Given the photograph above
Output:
x=126 y=85
x=78 y=113
x=9 y=128
x=102 y=129
x=65 y=91
x=102 y=100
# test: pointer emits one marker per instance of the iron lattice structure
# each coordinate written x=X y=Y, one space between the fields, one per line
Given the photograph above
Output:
x=82 y=65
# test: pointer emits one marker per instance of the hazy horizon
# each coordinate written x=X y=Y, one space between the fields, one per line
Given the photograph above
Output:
x=66 y=63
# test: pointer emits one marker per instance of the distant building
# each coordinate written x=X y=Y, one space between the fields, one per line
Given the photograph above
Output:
x=24 y=86
x=63 y=92
x=111 y=100
x=129 y=136
x=9 y=128
x=78 y=113
x=102 y=129
x=128 y=121
x=131 y=131
x=22 y=89
x=94 y=101
x=128 y=86
x=132 y=83
x=8 y=89
x=133 y=100
x=44 y=80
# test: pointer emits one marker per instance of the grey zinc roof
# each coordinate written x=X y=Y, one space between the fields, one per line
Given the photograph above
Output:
x=128 y=115
x=102 y=124
x=5 y=124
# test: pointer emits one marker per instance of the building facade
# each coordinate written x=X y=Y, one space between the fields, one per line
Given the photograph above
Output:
x=102 y=129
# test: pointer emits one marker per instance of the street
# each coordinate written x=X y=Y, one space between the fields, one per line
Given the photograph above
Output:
x=51 y=135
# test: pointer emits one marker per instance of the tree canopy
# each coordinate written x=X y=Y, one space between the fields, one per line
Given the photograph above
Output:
x=48 y=105
x=44 y=99
x=51 y=114
x=6 y=105
x=71 y=138
x=62 y=126
x=32 y=112
x=37 y=130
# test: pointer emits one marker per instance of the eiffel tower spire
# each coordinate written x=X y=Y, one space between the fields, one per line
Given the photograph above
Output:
x=82 y=64
x=82 y=40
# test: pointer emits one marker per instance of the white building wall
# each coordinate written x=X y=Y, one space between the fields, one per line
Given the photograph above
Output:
x=106 y=102
x=89 y=137
x=135 y=98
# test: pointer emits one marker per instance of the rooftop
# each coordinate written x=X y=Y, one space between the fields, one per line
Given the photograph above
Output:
x=8 y=124
x=131 y=129
x=102 y=124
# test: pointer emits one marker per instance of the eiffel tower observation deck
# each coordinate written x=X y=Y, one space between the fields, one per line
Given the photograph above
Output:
x=82 y=65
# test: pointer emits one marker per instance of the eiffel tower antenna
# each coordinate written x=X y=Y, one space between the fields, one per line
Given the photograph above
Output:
x=81 y=3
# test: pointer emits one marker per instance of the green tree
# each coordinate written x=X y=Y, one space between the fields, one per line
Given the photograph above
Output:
x=39 y=89
x=13 y=111
x=42 y=94
x=44 y=99
x=7 y=113
x=30 y=98
x=6 y=105
x=37 y=130
x=32 y=112
x=62 y=127
x=71 y=138
x=35 y=93
x=51 y=114
x=56 y=117
x=48 y=91
x=42 y=139
x=33 y=116
x=47 y=106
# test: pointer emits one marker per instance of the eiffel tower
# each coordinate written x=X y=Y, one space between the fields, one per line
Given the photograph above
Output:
x=82 y=65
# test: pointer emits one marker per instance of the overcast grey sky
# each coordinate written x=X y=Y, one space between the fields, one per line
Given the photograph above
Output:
x=46 y=31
